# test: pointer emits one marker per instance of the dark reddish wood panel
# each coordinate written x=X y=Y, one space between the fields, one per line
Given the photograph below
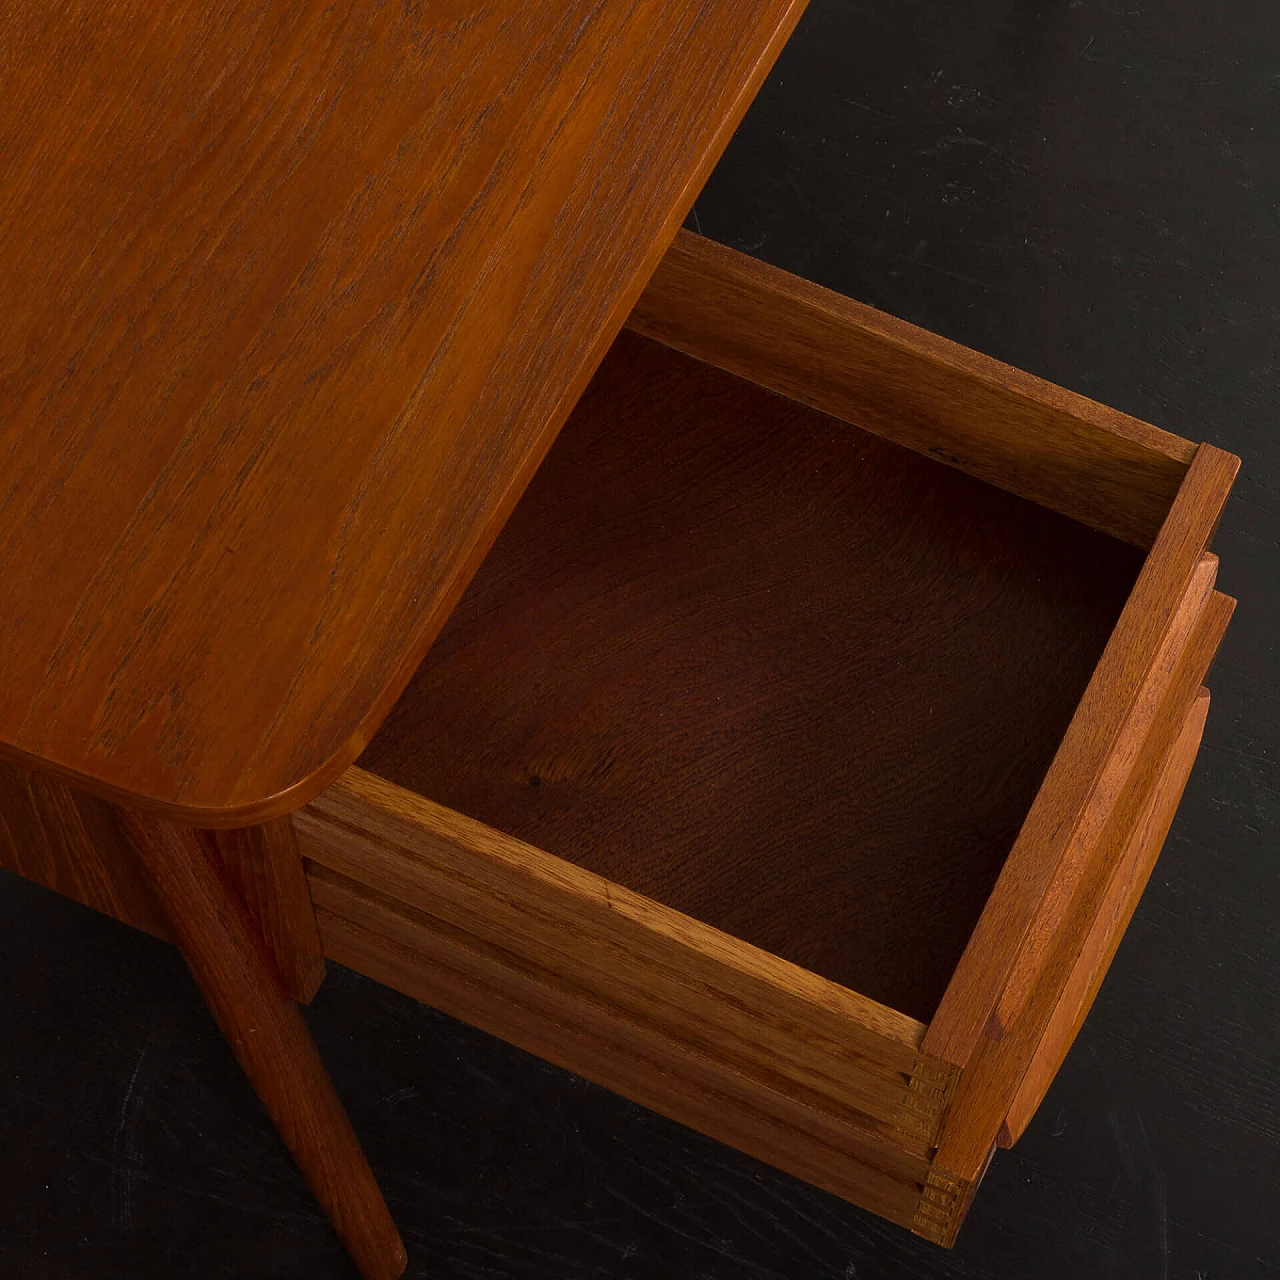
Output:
x=775 y=672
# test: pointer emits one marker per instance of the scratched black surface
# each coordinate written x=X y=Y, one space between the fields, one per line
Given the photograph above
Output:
x=1091 y=191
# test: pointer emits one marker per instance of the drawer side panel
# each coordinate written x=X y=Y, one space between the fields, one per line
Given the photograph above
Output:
x=605 y=948
x=1061 y=450
x=510 y=997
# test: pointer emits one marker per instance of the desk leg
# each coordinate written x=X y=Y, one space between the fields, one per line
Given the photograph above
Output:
x=268 y=1036
x=264 y=867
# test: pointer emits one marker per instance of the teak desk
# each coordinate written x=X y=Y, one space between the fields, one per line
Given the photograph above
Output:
x=849 y=679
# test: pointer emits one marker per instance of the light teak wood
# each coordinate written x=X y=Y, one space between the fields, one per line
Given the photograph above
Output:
x=268 y=1036
x=1122 y=893
x=1029 y=437
x=264 y=868
x=414 y=954
x=1085 y=782
x=1037 y=948
x=1001 y=1077
x=654 y=1004
x=286 y=333
x=71 y=842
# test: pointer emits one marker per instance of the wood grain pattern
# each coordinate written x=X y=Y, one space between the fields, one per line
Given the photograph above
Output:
x=1101 y=467
x=774 y=672
x=987 y=1087
x=71 y=842
x=293 y=298
x=1105 y=215
x=1126 y=750
x=511 y=997
x=944 y=1202
x=264 y=867
x=1128 y=880
x=268 y=1036
x=601 y=949
x=1085 y=778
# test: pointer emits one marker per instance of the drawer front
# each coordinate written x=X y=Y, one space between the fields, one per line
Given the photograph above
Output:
x=1006 y=1077
x=1120 y=899
x=662 y=1009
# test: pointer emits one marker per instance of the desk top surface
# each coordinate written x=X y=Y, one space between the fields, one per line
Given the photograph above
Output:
x=293 y=299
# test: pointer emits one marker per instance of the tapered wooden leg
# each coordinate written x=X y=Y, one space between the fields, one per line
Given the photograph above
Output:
x=266 y=1031
x=264 y=867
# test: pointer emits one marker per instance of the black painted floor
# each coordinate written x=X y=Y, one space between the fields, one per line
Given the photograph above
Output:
x=1090 y=191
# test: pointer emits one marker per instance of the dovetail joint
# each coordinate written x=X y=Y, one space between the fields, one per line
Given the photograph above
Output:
x=941 y=1206
x=928 y=1088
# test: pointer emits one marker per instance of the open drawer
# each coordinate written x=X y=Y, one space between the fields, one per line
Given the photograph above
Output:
x=796 y=758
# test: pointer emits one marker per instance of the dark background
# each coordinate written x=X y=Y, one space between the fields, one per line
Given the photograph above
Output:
x=1090 y=191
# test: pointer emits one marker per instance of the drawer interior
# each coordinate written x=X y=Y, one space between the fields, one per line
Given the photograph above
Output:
x=780 y=674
